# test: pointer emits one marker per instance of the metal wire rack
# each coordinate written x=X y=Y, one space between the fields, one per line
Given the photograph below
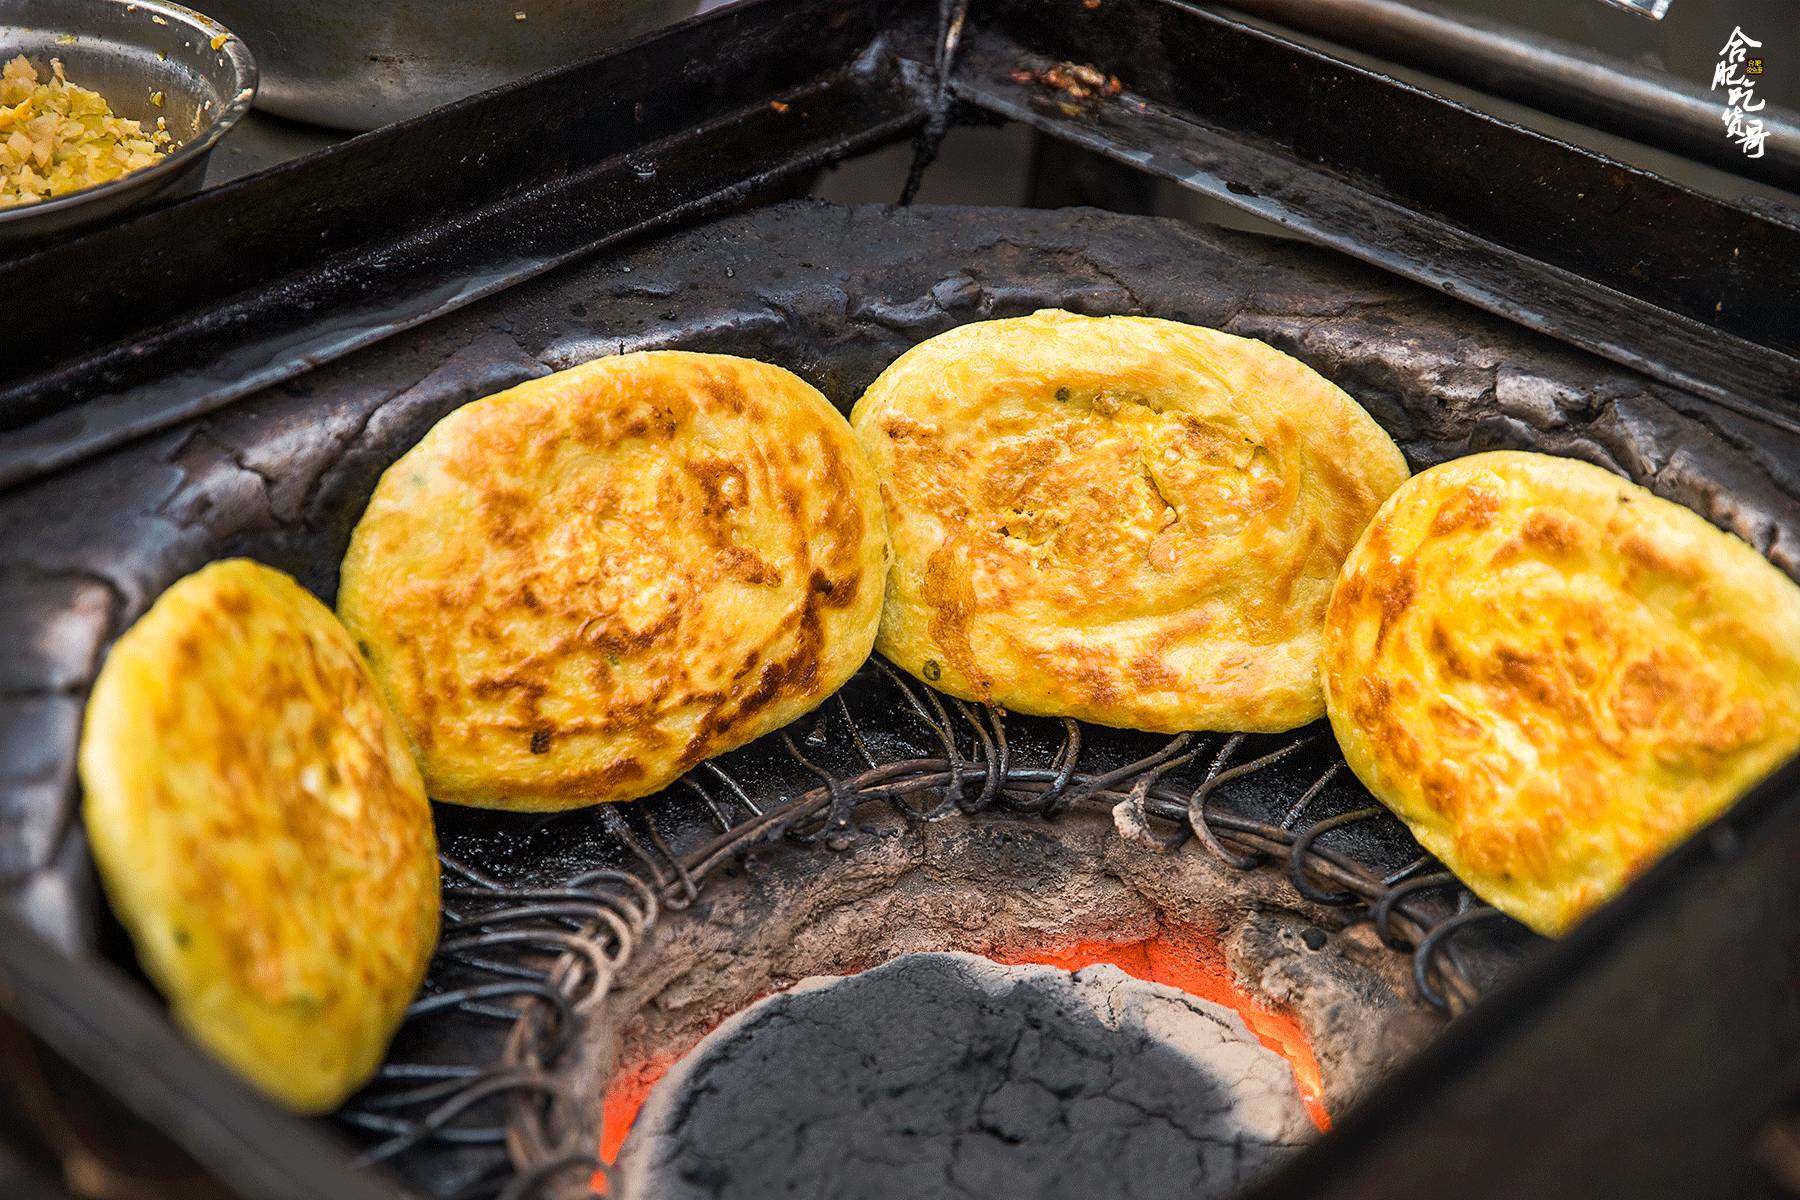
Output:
x=536 y=962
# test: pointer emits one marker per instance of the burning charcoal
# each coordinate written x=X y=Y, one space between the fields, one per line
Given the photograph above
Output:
x=950 y=1075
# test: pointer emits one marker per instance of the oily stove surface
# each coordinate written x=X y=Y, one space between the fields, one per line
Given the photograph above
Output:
x=834 y=294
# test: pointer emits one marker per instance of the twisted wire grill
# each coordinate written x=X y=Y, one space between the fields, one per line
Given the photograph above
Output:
x=539 y=961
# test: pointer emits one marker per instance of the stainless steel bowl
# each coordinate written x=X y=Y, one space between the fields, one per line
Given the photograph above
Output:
x=360 y=65
x=130 y=51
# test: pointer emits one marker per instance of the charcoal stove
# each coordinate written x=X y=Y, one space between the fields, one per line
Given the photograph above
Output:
x=212 y=402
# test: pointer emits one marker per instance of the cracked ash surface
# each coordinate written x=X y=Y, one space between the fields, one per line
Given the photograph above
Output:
x=946 y=1075
x=834 y=294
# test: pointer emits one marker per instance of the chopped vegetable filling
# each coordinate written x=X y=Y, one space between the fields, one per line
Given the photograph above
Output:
x=56 y=137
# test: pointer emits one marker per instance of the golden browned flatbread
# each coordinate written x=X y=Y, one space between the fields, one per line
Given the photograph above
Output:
x=1553 y=676
x=1128 y=520
x=577 y=589
x=261 y=830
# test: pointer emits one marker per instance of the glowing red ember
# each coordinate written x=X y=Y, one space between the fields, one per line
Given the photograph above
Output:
x=1195 y=969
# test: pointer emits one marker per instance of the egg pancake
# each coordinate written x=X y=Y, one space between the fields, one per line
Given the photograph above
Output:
x=1128 y=520
x=577 y=589
x=261 y=830
x=1553 y=676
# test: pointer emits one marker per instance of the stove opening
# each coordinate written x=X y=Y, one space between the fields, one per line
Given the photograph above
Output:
x=1187 y=966
x=1122 y=884
x=1065 y=917
x=952 y=1074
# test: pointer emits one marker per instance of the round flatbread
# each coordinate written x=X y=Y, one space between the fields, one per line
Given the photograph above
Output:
x=1553 y=676
x=575 y=590
x=1128 y=520
x=261 y=830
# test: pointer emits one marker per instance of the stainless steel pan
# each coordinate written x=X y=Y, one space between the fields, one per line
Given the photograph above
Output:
x=364 y=64
x=135 y=53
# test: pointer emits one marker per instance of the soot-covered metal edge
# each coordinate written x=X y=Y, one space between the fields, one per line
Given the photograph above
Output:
x=834 y=294
x=265 y=278
x=1654 y=1053
x=1698 y=292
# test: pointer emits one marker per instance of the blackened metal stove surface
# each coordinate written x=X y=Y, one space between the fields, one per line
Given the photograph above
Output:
x=832 y=293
